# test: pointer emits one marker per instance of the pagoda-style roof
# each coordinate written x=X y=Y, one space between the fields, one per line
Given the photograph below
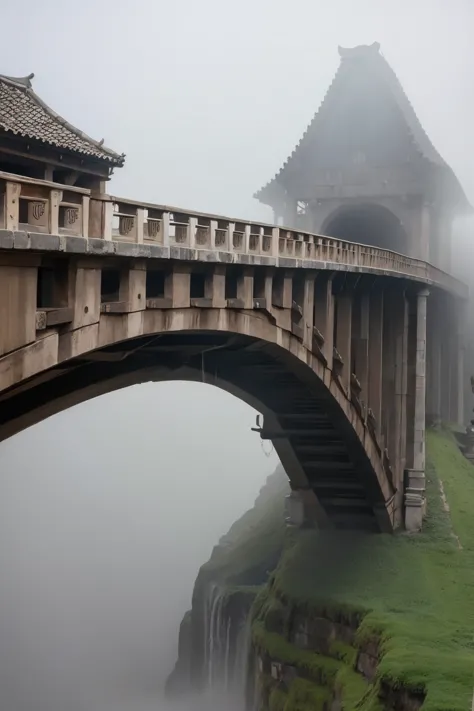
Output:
x=24 y=114
x=366 y=66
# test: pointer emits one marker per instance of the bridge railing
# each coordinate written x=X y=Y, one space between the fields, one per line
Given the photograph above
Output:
x=169 y=226
x=41 y=206
x=36 y=205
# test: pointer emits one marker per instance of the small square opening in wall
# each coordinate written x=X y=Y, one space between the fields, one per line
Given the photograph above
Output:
x=231 y=277
x=52 y=287
x=109 y=285
x=45 y=288
x=155 y=284
x=198 y=285
x=280 y=297
x=259 y=284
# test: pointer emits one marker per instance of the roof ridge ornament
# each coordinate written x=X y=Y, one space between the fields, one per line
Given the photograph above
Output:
x=21 y=81
x=362 y=50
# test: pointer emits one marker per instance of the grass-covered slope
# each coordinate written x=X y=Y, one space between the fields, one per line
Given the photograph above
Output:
x=414 y=594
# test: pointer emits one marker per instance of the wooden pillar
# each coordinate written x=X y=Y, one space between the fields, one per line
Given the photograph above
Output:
x=415 y=485
x=214 y=287
x=375 y=357
x=411 y=380
x=433 y=360
x=84 y=285
x=457 y=362
x=282 y=292
x=178 y=286
x=420 y=392
x=245 y=287
x=133 y=286
x=324 y=313
x=401 y=380
x=343 y=336
x=460 y=383
x=308 y=310
x=388 y=369
x=360 y=343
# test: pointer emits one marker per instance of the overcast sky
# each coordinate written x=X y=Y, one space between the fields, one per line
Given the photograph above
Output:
x=107 y=511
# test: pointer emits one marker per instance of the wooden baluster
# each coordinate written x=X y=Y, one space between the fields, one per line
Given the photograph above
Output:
x=85 y=215
x=12 y=206
x=139 y=225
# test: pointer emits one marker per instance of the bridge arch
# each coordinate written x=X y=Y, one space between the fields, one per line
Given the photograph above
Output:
x=371 y=223
x=319 y=434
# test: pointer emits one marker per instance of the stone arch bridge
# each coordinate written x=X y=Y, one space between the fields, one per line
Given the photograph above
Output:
x=335 y=343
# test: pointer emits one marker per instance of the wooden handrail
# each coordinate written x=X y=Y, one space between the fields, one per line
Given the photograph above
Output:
x=13 y=178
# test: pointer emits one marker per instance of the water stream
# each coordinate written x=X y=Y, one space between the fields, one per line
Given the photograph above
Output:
x=227 y=647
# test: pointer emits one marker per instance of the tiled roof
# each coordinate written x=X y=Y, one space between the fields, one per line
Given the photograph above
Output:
x=381 y=70
x=23 y=113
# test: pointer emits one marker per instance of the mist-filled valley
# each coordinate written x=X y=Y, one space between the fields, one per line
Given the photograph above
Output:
x=107 y=511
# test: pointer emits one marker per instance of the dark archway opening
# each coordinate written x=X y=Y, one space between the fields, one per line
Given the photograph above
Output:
x=372 y=225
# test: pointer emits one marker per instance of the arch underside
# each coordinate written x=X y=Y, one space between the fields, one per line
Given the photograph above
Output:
x=323 y=444
x=370 y=224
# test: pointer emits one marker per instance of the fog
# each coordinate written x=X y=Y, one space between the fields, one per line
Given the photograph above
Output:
x=106 y=513
x=107 y=510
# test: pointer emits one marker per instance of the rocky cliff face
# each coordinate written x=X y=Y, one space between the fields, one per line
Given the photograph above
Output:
x=215 y=635
x=301 y=620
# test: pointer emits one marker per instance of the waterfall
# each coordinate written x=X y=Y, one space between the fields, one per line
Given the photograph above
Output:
x=227 y=645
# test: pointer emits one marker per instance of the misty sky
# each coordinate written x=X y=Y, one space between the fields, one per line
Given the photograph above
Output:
x=104 y=517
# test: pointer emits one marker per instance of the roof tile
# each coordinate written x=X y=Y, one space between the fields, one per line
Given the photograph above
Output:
x=23 y=113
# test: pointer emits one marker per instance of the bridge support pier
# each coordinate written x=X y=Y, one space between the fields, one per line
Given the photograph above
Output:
x=375 y=357
x=399 y=444
x=415 y=502
x=344 y=337
x=360 y=345
x=324 y=315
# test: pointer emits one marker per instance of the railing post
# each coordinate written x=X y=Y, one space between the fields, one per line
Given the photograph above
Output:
x=165 y=223
x=275 y=250
x=55 y=198
x=192 y=227
x=108 y=216
x=139 y=224
x=246 y=244
x=12 y=206
x=85 y=215
x=231 y=229
x=95 y=218
x=212 y=233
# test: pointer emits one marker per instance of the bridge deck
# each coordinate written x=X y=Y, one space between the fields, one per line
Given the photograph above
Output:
x=45 y=216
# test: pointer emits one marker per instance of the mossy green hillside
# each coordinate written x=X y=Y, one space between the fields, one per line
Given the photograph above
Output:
x=413 y=593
